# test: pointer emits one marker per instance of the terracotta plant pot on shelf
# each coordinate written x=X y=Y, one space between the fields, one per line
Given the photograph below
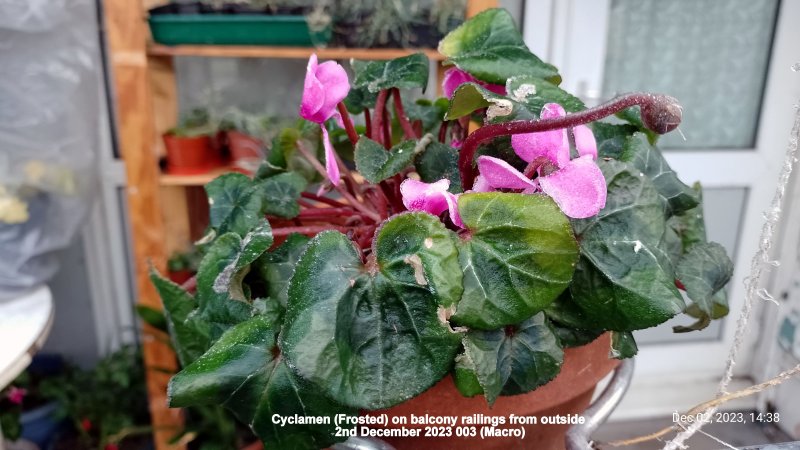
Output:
x=569 y=393
x=191 y=155
x=246 y=151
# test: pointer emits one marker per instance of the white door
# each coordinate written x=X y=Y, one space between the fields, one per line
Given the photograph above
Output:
x=729 y=63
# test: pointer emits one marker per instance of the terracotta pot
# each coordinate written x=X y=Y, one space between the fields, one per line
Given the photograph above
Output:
x=570 y=393
x=246 y=151
x=191 y=155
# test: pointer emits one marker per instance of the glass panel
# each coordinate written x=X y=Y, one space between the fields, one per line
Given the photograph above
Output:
x=724 y=208
x=710 y=55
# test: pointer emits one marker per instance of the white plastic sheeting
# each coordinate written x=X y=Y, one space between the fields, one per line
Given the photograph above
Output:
x=50 y=95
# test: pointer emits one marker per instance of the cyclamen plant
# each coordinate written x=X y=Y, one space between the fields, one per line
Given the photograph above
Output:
x=544 y=227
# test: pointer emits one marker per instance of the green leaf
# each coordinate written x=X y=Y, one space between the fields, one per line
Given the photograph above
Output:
x=235 y=203
x=518 y=256
x=470 y=97
x=439 y=161
x=152 y=316
x=372 y=337
x=190 y=337
x=220 y=297
x=281 y=193
x=647 y=158
x=465 y=377
x=704 y=271
x=624 y=281
x=403 y=73
x=536 y=92
x=515 y=360
x=623 y=345
x=490 y=47
x=611 y=138
x=244 y=372
x=377 y=164
x=277 y=266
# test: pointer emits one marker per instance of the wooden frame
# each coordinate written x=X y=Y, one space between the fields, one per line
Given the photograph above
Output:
x=159 y=204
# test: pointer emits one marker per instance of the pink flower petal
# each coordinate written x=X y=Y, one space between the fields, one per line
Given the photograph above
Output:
x=455 y=77
x=331 y=167
x=481 y=185
x=452 y=206
x=578 y=188
x=501 y=175
x=427 y=197
x=584 y=141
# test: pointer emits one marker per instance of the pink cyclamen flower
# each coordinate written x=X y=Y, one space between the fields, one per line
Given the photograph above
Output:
x=15 y=395
x=432 y=198
x=576 y=185
x=325 y=86
x=455 y=77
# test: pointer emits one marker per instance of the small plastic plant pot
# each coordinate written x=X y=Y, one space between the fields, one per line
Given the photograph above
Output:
x=246 y=151
x=190 y=155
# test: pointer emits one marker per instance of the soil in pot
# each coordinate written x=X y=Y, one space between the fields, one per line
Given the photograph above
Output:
x=570 y=393
x=191 y=155
x=246 y=151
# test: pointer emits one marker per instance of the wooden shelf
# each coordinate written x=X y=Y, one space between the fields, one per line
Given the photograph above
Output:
x=166 y=179
x=242 y=51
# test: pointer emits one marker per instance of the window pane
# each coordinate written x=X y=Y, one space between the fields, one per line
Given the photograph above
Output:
x=711 y=55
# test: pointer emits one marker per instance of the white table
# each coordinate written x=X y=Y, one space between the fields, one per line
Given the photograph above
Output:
x=24 y=325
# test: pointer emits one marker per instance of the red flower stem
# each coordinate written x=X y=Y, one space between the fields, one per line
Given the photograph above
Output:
x=660 y=113
x=377 y=123
x=326 y=200
x=368 y=122
x=408 y=130
x=387 y=130
x=353 y=202
x=310 y=229
x=348 y=123
x=443 y=131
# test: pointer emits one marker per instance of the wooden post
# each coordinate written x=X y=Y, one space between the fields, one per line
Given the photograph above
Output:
x=127 y=39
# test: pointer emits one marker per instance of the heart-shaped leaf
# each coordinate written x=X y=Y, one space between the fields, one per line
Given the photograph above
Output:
x=490 y=47
x=514 y=360
x=244 y=372
x=406 y=72
x=376 y=335
x=647 y=158
x=281 y=193
x=517 y=257
x=624 y=281
x=235 y=203
x=377 y=164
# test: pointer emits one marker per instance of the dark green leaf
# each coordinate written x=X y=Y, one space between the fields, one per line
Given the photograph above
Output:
x=377 y=164
x=647 y=158
x=624 y=281
x=535 y=93
x=244 y=372
x=490 y=47
x=277 y=266
x=611 y=138
x=623 y=345
x=190 y=337
x=235 y=204
x=439 y=161
x=372 y=337
x=518 y=256
x=403 y=73
x=281 y=193
x=515 y=360
x=153 y=317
